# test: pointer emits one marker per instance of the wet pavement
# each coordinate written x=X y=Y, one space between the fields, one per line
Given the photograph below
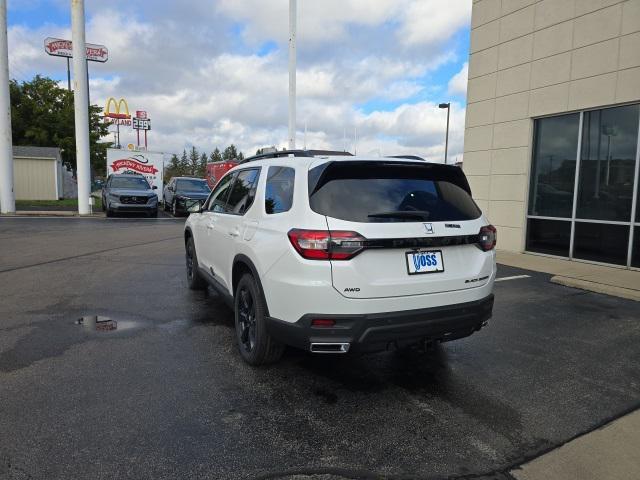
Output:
x=165 y=394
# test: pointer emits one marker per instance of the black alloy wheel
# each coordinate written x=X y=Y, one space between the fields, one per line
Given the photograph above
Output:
x=194 y=279
x=246 y=320
x=256 y=345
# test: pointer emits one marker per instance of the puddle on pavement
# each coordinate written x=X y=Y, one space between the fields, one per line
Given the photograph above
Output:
x=99 y=323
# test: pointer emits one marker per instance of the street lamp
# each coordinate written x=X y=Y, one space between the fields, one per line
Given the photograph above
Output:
x=446 y=141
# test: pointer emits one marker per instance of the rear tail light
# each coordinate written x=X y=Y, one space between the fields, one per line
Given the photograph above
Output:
x=323 y=322
x=326 y=245
x=487 y=238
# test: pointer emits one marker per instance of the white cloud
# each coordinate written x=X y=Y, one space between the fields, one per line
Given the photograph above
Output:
x=195 y=67
x=458 y=83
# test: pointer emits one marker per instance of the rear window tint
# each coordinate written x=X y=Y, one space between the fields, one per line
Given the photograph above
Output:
x=376 y=192
x=278 y=196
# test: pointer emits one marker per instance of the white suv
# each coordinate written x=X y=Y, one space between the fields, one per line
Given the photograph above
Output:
x=336 y=253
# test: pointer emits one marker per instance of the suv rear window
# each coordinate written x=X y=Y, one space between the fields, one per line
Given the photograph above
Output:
x=376 y=192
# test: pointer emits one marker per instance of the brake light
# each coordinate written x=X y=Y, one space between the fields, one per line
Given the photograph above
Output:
x=323 y=322
x=487 y=238
x=326 y=245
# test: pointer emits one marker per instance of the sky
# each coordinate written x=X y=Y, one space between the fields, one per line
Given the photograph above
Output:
x=214 y=72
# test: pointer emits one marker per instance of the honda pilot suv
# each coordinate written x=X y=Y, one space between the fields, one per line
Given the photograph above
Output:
x=334 y=254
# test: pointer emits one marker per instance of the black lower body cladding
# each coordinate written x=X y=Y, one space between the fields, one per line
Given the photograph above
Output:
x=382 y=331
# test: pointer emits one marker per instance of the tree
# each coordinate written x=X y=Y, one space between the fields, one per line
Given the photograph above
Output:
x=202 y=167
x=215 y=156
x=184 y=164
x=173 y=169
x=42 y=115
x=194 y=160
x=230 y=153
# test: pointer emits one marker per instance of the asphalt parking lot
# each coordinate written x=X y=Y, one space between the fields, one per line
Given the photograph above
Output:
x=166 y=395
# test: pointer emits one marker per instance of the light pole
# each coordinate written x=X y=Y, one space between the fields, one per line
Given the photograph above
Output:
x=7 y=196
x=81 y=103
x=446 y=139
x=292 y=73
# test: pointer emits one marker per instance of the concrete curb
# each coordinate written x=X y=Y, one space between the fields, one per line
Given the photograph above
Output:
x=597 y=287
x=50 y=213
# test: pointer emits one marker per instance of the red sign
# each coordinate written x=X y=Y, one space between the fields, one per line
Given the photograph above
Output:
x=64 y=48
x=141 y=113
x=132 y=164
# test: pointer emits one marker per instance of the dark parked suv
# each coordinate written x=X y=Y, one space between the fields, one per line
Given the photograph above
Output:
x=129 y=193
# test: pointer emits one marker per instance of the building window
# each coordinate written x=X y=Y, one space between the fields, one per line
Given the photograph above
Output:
x=583 y=197
x=554 y=166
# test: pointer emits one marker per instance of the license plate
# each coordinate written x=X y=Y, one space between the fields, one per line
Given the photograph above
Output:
x=424 y=262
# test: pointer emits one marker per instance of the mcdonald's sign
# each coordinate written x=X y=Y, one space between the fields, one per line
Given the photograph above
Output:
x=117 y=111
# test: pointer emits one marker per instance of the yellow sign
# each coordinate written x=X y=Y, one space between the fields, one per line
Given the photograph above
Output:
x=120 y=113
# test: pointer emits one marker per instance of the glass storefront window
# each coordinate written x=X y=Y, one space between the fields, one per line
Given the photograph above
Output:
x=607 y=164
x=601 y=219
x=549 y=236
x=601 y=242
x=554 y=166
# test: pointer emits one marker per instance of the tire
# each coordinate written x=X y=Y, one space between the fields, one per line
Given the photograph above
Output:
x=165 y=207
x=174 y=209
x=194 y=279
x=109 y=212
x=256 y=346
x=153 y=213
x=104 y=208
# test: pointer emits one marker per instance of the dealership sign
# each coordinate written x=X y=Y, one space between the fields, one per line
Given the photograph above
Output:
x=117 y=112
x=148 y=164
x=64 y=48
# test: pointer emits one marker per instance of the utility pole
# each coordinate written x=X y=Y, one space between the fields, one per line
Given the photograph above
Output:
x=7 y=197
x=81 y=103
x=446 y=138
x=292 y=73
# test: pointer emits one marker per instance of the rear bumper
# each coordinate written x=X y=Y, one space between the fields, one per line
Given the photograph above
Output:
x=381 y=331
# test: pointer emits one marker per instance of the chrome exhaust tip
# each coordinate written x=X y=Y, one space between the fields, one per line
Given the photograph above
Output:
x=330 y=347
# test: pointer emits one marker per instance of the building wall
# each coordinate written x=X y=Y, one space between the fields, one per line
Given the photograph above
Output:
x=35 y=178
x=531 y=58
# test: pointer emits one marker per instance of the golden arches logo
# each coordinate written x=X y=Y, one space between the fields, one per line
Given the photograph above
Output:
x=119 y=112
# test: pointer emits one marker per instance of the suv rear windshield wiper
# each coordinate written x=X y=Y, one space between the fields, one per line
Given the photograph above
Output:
x=409 y=214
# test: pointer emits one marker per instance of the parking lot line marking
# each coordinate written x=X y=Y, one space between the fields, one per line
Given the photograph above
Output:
x=515 y=277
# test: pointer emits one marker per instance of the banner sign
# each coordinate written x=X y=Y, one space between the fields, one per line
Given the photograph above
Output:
x=148 y=164
x=117 y=112
x=64 y=48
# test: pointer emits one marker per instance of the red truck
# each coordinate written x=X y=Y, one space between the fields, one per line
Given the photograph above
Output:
x=216 y=170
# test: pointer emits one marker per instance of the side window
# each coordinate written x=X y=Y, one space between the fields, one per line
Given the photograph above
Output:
x=243 y=191
x=218 y=199
x=278 y=196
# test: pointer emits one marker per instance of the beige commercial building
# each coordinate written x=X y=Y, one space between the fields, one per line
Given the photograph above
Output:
x=552 y=126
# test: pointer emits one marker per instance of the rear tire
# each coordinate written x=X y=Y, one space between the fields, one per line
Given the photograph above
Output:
x=109 y=212
x=256 y=346
x=194 y=279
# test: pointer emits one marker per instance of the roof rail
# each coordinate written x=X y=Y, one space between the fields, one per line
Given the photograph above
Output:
x=408 y=157
x=297 y=153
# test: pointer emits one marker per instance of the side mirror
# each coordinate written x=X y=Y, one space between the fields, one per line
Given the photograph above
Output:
x=194 y=206
x=154 y=188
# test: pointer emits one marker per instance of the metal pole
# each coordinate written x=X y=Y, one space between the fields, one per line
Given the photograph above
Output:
x=68 y=74
x=446 y=139
x=292 y=73
x=81 y=101
x=7 y=197
x=145 y=140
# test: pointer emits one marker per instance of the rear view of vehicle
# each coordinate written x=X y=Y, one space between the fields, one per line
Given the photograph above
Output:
x=411 y=256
